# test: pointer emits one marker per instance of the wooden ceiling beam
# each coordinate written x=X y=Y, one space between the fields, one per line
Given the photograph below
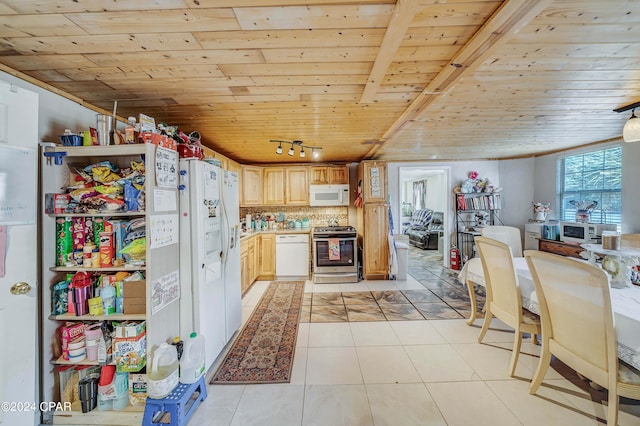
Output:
x=402 y=16
x=507 y=20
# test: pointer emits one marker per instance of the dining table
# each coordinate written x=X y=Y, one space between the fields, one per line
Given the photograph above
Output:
x=625 y=303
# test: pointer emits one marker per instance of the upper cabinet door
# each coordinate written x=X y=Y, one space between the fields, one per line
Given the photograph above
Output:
x=318 y=175
x=273 y=181
x=373 y=175
x=338 y=174
x=297 y=185
x=251 y=186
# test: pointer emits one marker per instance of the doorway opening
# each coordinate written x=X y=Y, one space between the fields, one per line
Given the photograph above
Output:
x=425 y=187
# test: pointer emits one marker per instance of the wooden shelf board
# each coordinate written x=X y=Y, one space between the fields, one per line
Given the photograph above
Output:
x=113 y=214
x=62 y=361
x=108 y=150
x=110 y=269
x=129 y=416
x=113 y=317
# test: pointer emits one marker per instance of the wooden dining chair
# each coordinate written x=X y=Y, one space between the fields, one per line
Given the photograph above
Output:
x=509 y=235
x=577 y=325
x=630 y=240
x=504 y=299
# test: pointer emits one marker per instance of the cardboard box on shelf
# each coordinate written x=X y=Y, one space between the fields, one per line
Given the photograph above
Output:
x=137 y=389
x=135 y=305
x=130 y=353
x=130 y=328
x=134 y=289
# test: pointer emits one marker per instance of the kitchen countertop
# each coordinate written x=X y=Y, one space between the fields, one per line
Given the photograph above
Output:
x=244 y=235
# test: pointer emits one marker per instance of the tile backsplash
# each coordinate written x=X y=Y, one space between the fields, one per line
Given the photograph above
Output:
x=318 y=216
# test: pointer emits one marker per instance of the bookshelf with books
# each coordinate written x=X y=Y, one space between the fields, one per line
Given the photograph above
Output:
x=473 y=212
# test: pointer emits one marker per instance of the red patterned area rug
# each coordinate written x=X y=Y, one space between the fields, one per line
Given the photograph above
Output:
x=263 y=351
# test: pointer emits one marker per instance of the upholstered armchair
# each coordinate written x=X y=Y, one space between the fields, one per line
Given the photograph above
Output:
x=425 y=228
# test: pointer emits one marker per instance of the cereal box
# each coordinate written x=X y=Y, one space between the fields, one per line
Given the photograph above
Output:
x=130 y=353
x=69 y=332
x=137 y=389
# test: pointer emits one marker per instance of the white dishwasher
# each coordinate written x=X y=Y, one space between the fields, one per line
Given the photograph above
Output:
x=292 y=256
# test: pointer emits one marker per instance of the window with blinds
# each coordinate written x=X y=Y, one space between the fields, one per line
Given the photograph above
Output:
x=591 y=176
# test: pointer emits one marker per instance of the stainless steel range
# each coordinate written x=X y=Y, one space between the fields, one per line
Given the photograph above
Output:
x=335 y=254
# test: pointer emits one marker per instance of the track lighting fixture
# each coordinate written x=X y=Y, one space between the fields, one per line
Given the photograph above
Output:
x=631 y=129
x=314 y=149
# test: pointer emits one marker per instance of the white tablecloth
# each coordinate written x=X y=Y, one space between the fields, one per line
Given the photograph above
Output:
x=624 y=301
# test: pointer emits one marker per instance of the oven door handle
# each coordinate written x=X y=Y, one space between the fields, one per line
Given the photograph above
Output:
x=340 y=238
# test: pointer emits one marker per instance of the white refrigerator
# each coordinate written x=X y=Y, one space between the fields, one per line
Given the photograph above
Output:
x=210 y=293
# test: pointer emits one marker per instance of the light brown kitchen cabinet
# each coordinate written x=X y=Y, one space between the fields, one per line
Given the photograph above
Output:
x=297 y=180
x=273 y=186
x=245 y=273
x=267 y=257
x=251 y=260
x=373 y=228
x=234 y=166
x=373 y=175
x=251 y=186
x=338 y=175
x=319 y=175
x=256 y=257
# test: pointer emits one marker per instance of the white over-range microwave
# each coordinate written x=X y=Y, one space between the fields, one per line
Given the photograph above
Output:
x=329 y=195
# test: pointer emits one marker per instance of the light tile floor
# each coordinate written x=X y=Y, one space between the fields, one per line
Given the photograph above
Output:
x=407 y=372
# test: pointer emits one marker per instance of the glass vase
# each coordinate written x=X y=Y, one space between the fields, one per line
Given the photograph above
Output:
x=583 y=216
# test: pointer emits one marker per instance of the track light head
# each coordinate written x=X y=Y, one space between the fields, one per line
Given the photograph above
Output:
x=291 y=152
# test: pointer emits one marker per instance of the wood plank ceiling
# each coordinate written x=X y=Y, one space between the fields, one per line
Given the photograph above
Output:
x=405 y=80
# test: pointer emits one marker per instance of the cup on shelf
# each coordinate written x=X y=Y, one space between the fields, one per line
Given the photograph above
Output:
x=104 y=124
x=81 y=296
x=88 y=392
x=92 y=336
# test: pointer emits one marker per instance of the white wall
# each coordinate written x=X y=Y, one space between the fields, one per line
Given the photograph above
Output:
x=56 y=113
x=545 y=182
x=517 y=178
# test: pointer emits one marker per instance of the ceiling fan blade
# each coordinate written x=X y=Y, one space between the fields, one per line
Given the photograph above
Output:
x=279 y=141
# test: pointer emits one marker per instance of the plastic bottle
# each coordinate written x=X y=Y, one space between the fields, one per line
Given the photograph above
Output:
x=108 y=295
x=192 y=361
x=179 y=344
x=163 y=376
x=130 y=131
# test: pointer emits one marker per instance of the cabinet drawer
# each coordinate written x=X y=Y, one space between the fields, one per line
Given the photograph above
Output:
x=558 y=247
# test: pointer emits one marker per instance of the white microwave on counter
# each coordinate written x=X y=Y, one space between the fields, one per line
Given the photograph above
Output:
x=329 y=195
x=576 y=232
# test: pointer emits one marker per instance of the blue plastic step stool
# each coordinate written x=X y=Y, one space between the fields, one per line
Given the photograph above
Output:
x=176 y=408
